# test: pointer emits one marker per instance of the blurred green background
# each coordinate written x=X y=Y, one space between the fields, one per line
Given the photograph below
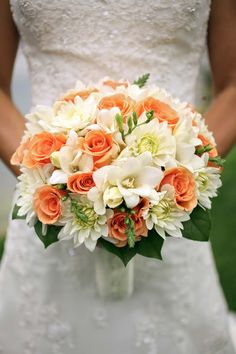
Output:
x=223 y=236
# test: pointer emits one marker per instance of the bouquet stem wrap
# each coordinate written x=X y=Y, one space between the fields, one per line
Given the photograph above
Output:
x=113 y=280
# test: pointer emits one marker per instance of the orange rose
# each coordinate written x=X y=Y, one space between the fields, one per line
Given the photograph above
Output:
x=47 y=204
x=40 y=148
x=142 y=206
x=80 y=182
x=184 y=184
x=114 y=84
x=212 y=153
x=162 y=110
x=100 y=146
x=117 y=228
x=125 y=103
x=70 y=96
x=20 y=152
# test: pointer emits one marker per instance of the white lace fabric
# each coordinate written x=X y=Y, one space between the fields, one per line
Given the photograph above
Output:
x=48 y=298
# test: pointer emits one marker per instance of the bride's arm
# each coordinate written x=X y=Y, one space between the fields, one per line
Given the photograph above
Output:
x=11 y=121
x=221 y=116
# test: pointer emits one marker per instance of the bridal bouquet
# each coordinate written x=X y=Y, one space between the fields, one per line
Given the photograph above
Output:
x=118 y=165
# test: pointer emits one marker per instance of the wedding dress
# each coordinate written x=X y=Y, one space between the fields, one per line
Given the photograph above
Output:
x=49 y=302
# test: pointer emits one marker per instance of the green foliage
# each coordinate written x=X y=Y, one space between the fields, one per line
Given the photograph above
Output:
x=50 y=236
x=148 y=246
x=201 y=149
x=199 y=226
x=151 y=246
x=142 y=80
x=130 y=231
x=15 y=213
x=223 y=235
x=217 y=161
x=2 y=241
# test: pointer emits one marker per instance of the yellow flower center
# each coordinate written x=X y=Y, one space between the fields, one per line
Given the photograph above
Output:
x=84 y=216
x=148 y=143
x=128 y=182
x=163 y=209
x=203 y=181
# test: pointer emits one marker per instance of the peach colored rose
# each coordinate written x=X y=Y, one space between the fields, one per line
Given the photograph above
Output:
x=100 y=146
x=212 y=153
x=20 y=152
x=142 y=206
x=114 y=84
x=47 y=204
x=184 y=184
x=40 y=148
x=80 y=182
x=125 y=103
x=162 y=110
x=84 y=94
x=117 y=228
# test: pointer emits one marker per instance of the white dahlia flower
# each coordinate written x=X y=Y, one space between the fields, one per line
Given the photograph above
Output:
x=74 y=115
x=82 y=223
x=154 y=137
x=207 y=181
x=29 y=181
x=165 y=216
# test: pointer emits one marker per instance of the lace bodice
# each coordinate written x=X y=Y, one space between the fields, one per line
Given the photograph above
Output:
x=69 y=40
x=48 y=299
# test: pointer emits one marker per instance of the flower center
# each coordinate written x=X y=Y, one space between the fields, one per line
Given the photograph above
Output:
x=84 y=215
x=203 y=181
x=128 y=182
x=162 y=210
x=148 y=143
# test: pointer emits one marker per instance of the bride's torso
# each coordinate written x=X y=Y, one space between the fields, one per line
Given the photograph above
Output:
x=69 y=40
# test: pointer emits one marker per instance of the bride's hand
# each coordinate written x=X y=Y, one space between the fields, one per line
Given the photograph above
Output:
x=11 y=121
x=221 y=116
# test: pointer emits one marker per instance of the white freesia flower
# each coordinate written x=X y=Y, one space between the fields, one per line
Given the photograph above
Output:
x=154 y=137
x=69 y=159
x=29 y=181
x=82 y=223
x=135 y=178
x=186 y=141
x=165 y=216
x=107 y=122
x=207 y=181
x=95 y=194
x=75 y=115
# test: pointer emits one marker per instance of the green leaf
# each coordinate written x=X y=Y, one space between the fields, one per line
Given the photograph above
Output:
x=51 y=235
x=217 y=160
x=15 y=213
x=151 y=245
x=141 y=81
x=124 y=253
x=201 y=149
x=199 y=226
